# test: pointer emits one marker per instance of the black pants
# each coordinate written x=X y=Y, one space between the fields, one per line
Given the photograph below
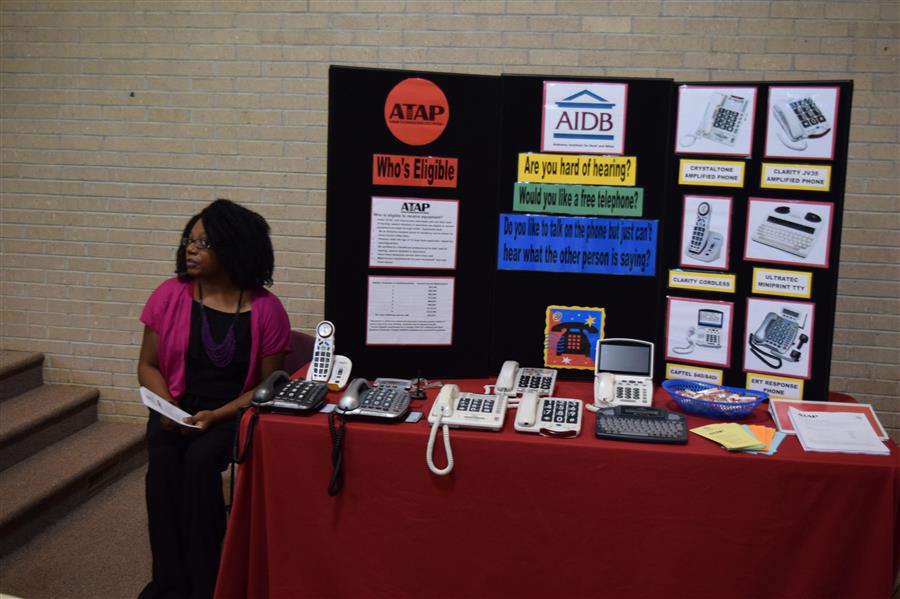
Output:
x=186 y=507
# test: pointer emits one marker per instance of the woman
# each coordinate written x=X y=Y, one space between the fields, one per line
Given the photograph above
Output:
x=211 y=335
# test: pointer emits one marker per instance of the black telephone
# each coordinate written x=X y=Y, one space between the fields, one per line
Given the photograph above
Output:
x=773 y=340
x=574 y=339
x=383 y=402
x=279 y=394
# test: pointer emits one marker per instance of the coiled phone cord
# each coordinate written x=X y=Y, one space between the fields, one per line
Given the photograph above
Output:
x=337 y=454
x=429 y=453
x=239 y=455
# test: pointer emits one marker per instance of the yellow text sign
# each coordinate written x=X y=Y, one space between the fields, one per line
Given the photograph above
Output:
x=575 y=169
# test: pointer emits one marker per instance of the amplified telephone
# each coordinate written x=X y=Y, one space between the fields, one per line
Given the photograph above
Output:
x=513 y=381
x=721 y=121
x=623 y=373
x=787 y=230
x=773 y=342
x=800 y=120
x=279 y=394
x=549 y=416
x=383 y=402
x=707 y=333
x=326 y=366
x=704 y=245
x=453 y=409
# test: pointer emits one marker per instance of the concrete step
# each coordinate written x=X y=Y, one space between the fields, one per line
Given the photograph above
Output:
x=42 y=416
x=19 y=372
x=40 y=490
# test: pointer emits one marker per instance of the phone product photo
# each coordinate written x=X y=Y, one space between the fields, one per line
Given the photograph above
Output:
x=704 y=244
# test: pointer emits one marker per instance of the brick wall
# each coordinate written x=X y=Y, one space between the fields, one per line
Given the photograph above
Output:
x=120 y=119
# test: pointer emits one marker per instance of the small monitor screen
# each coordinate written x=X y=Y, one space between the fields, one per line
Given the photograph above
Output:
x=710 y=318
x=623 y=358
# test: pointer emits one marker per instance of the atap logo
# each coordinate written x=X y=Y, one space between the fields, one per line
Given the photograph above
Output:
x=416 y=111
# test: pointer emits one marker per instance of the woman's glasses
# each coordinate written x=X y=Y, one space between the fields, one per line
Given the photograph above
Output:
x=200 y=244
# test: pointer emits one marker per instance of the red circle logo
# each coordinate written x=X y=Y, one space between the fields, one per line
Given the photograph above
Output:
x=416 y=111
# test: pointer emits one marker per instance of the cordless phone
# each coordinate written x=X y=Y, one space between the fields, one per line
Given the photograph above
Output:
x=705 y=245
x=326 y=366
x=323 y=353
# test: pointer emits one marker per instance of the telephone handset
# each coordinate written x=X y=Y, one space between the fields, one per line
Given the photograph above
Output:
x=721 y=121
x=704 y=245
x=799 y=119
x=383 y=403
x=278 y=393
x=326 y=366
x=774 y=339
x=707 y=333
x=513 y=380
x=549 y=416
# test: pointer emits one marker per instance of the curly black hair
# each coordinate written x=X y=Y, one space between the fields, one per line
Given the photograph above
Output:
x=240 y=238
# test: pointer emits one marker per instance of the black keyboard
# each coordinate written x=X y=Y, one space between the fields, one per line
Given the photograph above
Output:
x=648 y=425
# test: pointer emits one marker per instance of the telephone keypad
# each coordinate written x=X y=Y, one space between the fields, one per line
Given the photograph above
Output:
x=321 y=362
x=807 y=111
x=541 y=380
x=726 y=120
x=299 y=396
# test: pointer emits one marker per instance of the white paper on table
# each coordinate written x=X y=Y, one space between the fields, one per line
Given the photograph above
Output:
x=166 y=408
x=845 y=432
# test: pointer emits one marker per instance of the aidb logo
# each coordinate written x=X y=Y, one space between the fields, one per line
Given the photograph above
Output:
x=584 y=117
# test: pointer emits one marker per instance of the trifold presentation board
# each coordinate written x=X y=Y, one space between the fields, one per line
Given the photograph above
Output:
x=475 y=219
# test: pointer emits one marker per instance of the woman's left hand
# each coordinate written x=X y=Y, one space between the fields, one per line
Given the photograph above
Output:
x=204 y=419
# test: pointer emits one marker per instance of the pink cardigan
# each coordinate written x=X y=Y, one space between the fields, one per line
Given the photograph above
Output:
x=168 y=313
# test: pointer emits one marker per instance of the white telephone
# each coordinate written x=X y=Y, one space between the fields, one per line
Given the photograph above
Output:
x=326 y=366
x=623 y=373
x=514 y=381
x=704 y=245
x=453 y=409
x=707 y=333
x=549 y=416
x=799 y=119
x=721 y=121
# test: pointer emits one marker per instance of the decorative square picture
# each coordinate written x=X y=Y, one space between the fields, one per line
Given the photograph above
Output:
x=779 y=337
x=715 y=120
x=788 y=231
x=705 y=232
x=571 y=335
x=800 y=122
x=699 y=331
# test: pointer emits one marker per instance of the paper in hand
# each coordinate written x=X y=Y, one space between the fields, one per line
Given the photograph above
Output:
x=167 y=409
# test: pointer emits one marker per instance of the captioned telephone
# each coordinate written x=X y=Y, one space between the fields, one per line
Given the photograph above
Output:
x=279 y=394
x=453 y=409
x=383 y=403
x=789 y=230
x=707 y=333
x=774 y=340
x=327 y=367
x=721 y=121
x=623 y=373
x=800 y=119
x=704 y=245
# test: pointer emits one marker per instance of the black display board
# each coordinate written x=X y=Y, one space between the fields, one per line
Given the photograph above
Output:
x=357 y=130
x=500 y=312
x=632 y=304
x=744 y=254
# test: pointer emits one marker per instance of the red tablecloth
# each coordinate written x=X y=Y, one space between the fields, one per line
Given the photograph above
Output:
x=528 y=516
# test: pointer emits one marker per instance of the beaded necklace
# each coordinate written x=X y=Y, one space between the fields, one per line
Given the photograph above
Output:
x=220 y=354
